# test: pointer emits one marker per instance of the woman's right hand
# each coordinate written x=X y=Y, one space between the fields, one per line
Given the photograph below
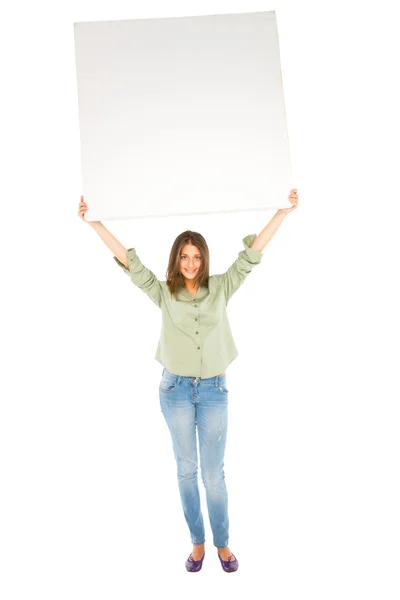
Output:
x=83 y=207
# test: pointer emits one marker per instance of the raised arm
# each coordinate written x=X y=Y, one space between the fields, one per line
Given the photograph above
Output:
x=127 y=259
x=111 y=241
x=254 y=245
x=115 y=246
x=272 y=227
x=233 y=278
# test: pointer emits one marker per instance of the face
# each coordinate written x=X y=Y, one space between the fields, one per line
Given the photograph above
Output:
x=190 y=261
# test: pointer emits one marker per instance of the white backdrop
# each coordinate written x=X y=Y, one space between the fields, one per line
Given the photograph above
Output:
x=89 y=500
x=181 y=115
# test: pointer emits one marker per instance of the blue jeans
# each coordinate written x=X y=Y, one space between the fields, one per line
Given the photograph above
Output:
x=186 y=402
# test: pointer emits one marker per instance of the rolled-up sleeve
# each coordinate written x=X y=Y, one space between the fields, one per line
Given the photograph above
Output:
x=233 y=278
x=142 y=277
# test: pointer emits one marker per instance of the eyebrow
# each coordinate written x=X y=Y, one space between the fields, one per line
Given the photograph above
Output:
x=183 y=254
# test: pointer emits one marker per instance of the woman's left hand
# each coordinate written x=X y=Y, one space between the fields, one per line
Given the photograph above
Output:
x=294 y=199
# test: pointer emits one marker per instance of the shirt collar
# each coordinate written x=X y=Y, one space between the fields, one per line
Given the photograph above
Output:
x=202 y=291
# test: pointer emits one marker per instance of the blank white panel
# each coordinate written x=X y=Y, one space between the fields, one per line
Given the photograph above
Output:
x=181 y=115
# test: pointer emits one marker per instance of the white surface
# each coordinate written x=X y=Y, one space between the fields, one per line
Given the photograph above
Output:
x=181 y=115
x=88 y=482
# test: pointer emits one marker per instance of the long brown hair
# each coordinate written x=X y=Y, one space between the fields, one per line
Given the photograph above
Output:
x=173 y=274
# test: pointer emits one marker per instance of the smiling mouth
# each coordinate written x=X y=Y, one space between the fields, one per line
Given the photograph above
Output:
x=190 y=270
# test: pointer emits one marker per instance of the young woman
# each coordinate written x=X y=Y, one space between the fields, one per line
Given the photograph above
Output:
x=195 y=348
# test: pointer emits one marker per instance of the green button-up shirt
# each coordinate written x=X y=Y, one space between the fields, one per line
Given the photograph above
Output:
x=196 y=339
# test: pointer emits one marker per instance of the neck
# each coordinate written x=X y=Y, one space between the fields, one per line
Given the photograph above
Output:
x=191 y=287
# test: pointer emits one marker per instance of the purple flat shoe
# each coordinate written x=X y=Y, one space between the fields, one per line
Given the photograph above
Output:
x=194 y=565
x=229 y=565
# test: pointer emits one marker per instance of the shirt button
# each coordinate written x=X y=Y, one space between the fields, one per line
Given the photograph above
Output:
x=196 y=319
x=195 y=305
x=197 y=332
x=198 y=347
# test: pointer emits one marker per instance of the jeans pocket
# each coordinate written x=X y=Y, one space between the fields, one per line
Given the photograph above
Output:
x=169 y=383
x=222 y=385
